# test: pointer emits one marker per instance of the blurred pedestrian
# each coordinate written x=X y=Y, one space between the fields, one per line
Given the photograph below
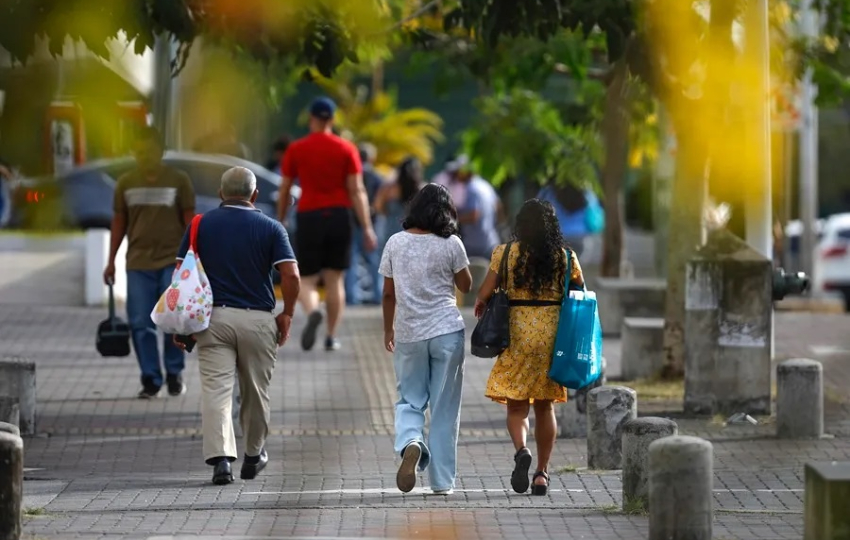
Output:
x=278 y=150
x=153 y=206
x=6 y=175
x=373 y=182
x=240 y=246
x=571 y=205
x=537 y=265
x=393 y=198
x=448 y=178
x=478 y=215
x=331 y=176
x=424 y=330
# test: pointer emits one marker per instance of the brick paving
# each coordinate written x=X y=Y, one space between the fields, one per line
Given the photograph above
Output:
x=105 y=465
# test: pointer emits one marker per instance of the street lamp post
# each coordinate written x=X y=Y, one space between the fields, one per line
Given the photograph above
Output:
x=808 y=155
x=759 y=215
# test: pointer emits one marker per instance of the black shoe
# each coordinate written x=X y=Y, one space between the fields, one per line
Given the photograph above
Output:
x=252 y=466
x=519 y=477
x=332 y=344
x=175 y=385
x=148 y=392
x=406 y=477
x=223 y=473
x=308 y=336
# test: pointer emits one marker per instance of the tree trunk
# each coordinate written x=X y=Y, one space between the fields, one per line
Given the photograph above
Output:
x=685 y=235
x=615 y=134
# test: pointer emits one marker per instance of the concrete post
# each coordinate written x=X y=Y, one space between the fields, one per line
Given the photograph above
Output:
x=17 y=380
x=728 y=328
x=10 y=410
x=827 y=499
x=638 y=434
x=10 y=428
x=608 y=409
x=681 y=475
x=799 y=399
x=11 y=485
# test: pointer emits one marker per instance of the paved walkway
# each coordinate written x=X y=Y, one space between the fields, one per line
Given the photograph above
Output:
x=106 y=465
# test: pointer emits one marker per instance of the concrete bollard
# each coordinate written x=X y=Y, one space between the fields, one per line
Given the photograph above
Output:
x=799 y=399
x=10 y=428
x=638 y=434
x=10 y=410
x=17 y=380
x=681 y=476
x=11 y=485
x=608 y=408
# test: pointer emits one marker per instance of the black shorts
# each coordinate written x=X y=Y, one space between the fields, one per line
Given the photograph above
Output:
x=323 y=239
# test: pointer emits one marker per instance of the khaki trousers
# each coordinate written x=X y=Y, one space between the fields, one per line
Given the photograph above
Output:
x=244 y=341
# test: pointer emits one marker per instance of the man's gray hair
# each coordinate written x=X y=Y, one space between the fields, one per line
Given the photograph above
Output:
x=238 y=182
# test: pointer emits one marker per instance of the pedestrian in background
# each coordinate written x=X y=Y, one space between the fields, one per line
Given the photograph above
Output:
x=537 y=265
x=373 y=182
x=153 y=206
x=479 y=214
x=331 y=176
x=424 y=330
x=393 y=198
x=240 y=246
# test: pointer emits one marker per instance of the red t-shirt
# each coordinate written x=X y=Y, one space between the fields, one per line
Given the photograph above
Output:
x=321 y=162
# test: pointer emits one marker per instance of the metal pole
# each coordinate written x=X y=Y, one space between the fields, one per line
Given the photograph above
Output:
x=759 y=215
x=808 y=155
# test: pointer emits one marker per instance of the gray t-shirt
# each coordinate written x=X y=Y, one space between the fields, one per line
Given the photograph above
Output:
x=423 y=267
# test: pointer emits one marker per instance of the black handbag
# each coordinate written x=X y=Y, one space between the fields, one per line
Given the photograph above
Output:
x=492 y=333
x=113 y=334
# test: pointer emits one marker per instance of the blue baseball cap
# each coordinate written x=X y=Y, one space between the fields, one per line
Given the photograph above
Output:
x=323 y=108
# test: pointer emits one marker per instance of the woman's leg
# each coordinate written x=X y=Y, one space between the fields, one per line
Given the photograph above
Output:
x=518 y=422
x=446 y=389
x=412 y=372
x=545 y=432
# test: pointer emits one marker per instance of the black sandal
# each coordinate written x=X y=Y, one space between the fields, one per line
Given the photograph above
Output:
x=540 y=489
x=522 y=462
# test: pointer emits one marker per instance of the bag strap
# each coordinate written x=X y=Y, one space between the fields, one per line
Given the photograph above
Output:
x=111 y=301
x=569 y=275
x=193 y=233
x=503 y=268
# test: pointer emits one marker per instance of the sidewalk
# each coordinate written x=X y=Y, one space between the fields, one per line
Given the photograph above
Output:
x=106 y=465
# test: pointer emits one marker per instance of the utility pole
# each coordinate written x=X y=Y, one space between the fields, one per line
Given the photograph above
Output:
x=759 y=211
x=809 y=156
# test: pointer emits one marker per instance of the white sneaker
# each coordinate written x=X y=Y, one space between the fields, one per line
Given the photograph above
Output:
x=442 y=491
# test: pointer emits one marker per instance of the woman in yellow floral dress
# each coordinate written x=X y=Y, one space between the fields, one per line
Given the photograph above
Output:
x=537 y=264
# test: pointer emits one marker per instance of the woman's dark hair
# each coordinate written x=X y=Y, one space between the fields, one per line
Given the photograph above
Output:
x=410 y=178
x=541 y=259
x=432 y=210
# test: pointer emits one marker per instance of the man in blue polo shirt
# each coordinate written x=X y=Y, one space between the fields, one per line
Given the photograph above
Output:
x=238 y=246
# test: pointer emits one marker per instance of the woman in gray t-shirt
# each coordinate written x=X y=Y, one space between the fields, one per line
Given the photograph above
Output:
x=424 y=330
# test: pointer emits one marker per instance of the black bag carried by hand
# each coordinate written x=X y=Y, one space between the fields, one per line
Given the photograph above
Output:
x=492 y=334
x=113 y=334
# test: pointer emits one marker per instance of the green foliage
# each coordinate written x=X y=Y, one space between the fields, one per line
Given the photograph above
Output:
x=519 y=133
x=320 y=33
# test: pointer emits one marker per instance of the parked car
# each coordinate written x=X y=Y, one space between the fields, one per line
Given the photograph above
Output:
x=834 y=256
x=83 y=197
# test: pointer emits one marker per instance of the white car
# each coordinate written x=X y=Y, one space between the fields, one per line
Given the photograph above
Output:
x=833 y=253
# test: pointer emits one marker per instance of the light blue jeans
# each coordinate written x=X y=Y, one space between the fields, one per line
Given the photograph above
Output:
x=431 y=371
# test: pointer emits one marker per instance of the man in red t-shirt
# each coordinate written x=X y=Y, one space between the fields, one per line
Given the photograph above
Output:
x=329 y=171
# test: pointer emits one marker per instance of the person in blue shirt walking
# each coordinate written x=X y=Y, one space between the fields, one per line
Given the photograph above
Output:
x=578 y=210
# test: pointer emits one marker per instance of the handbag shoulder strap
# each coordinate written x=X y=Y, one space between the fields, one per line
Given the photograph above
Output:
x=504 y=269
x=193 y=233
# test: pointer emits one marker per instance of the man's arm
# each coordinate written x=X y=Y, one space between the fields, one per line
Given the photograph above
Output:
x=117 y=231
x=290 y=285
x=360 y=202
x=187 y=200
x=283 y=198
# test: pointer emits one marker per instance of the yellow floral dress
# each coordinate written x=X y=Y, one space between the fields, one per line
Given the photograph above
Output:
x=522 y=372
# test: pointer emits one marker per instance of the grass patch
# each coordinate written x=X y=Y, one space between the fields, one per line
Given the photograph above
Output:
x=34 y=512
x=657 y=389
x=635 y=507
x=566 y=469
x=610 y=509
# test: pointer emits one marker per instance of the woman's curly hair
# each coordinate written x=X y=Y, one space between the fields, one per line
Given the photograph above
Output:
x=541 y=260
x=432 y=210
